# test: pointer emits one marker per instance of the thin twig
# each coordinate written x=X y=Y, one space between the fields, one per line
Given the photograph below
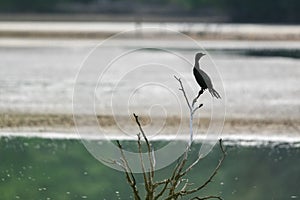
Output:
x=165 y=182
x=177 y=171
x=191 y=166
x=186 y=185
x=129 y=175
x=158 y=183
x=149 y=183
x=184 y=94
x=186 y=192
x=208 y=197
x=176 y=168
x=142 y=163
x=149 y=148
x=153 y=159
x=191 y=107
x=214 y=172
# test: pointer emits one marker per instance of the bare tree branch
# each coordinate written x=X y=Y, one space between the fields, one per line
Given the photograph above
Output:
x=214 y=172
x=165 y=182
x=184 y=94
x=142 y=164
x=181 y=193
x=129 y=175
x=191 y=107
x=176 y=186
x=149 y=147
x=176 y=173
x=186 y=185
x=149 y=182
x=191 y=166
x=208 y=197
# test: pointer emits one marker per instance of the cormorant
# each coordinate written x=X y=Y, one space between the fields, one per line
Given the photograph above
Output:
x=203 y=79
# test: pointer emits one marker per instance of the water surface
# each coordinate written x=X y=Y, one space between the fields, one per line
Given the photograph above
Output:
x=34 y=168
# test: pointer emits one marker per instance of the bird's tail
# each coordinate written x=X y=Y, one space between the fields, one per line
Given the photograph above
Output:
x=214 y=93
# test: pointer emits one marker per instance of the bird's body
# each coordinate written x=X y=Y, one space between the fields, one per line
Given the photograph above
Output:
x=203 y=79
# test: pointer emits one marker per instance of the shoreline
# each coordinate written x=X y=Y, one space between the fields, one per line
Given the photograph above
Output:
x=249 y=140
x=43 y=123
x=97 y=30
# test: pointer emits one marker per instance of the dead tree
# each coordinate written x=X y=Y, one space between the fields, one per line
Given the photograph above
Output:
x=176 y=186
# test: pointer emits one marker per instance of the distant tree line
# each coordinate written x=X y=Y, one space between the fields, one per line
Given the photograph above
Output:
x=264 y=11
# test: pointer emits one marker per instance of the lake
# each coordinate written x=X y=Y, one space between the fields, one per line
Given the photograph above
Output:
x=33 y=168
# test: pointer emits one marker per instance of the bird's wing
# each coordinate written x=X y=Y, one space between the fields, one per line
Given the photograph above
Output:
x=206 y=78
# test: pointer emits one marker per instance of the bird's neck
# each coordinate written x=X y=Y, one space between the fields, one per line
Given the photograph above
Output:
x=197 y=64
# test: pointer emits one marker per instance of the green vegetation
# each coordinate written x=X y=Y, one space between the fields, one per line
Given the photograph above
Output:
x=265 y=11
x=63 y=169
x=289 y=53
x=34 y=5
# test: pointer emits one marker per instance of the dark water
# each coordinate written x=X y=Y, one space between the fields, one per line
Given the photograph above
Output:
x=63 y=169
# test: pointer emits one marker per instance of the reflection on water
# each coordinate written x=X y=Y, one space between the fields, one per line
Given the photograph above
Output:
x=62 y=169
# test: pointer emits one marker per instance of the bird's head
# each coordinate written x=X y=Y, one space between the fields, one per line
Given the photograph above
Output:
x=199 y=55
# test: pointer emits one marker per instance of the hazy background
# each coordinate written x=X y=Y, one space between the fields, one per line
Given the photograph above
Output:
x=248 y=11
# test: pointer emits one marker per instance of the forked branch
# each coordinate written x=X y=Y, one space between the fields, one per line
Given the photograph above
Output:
x=191 y=107
x=184 y=94
x=176 y=186
x=149 y=150
x=186 y=191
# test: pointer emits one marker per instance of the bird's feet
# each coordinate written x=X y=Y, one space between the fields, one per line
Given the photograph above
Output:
x=196 y=98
